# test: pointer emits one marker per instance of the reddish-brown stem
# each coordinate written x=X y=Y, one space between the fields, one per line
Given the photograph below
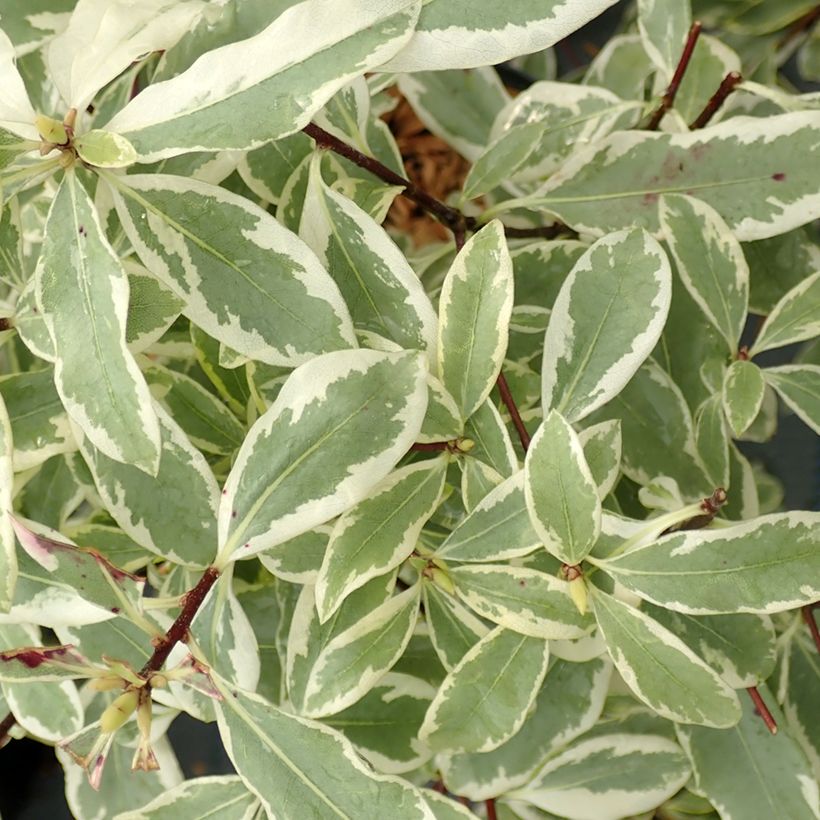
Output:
x=5 y=727
x=808 y=616
x=490 y=806
x=668 y=99
x=762 y=709
x=512 y=408
x=800 y=25
x=431 y=446
x=727 y=86
x=178 y=630
x=5 y=323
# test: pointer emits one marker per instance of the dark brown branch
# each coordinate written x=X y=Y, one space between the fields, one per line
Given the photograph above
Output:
x=800 y=25
x=430 y=447
x=178 y=630
x=668 y=99
x=727 y=86
x=512 y=408
x=808 y=616
x=762 y=709
x=5 y=727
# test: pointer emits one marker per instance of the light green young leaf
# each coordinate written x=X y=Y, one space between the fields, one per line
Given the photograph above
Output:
x=102 y=39
x=384 y=724
x=252 y=284
x=580 y=688
x=172 y=514
x=454 y=630
x=742 y=394
x=8 y=550
x=377 y=534
x=380 y=288
x=105 y=150
x=709 y=261
x=746 y=772
x=740 y=647
x=799 y=387
x=660 y=669
x=222 y=102
x=299 y=767
x=602 y=453
x=606 y=320
x=767 y=565
x=474 y=314
x=485 y=699
x=712 y=440
x=348 y=417
x=222 y=796
x=523 y=600
x=752 y=171
x=497 y=528
x=353 y=661
x=455 y=35
x=562 y=496
x=793 y=319
x=663 y=25
x=609 y=777
x=82 y=290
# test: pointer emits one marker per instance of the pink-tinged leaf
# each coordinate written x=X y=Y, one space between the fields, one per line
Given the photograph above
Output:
x=43 y=663
x=92 y=575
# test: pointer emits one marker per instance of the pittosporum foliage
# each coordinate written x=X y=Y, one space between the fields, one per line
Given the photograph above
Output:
x=409 y=524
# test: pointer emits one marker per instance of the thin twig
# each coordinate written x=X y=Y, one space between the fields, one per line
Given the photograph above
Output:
x=430 y=447
x=5 y=727
x=512 y=408
x=800 y=25
x=727 y=86
x=668 y=99
x=490 y=806
x=762 y=709
x=808 y=616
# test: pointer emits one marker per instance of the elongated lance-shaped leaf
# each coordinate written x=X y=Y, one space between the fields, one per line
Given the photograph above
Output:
x=524 y=600
x=663 y=25
x=223 y=101
x=380 y=288
x=83 y=292
x=793 y=319
x=602 y=453
x=579 y=687
x=92 y=575
x=709 y=261
x=474 y=314
x=223 y=796
x=380 y=532
x=484 y=701
x=609 y=777
x=712 y=440
x=347 y=418
x=660 y=669
x=799 y=387
x=770 y=564
x=8 y=552
x=607 y=317
x=172 y=514
x=453 y=35
x=454 y=629
x=746 y=772
x=742 y=394
x=299 y=767
x=497 y=528
x=354 y=661
x=752 y=171
x=252 y=284
x=562 y=496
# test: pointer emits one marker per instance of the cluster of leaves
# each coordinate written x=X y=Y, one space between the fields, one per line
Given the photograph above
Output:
x=257 y=453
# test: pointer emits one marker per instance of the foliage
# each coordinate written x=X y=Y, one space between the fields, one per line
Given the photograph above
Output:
x=408 y=524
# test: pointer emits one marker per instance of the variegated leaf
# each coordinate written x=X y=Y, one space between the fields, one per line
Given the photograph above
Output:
x=222 y=101
x=793 y=319
x=712 y=440
x=660 y=669
x=8 y=551
x=602 y=453
x=607 y=317
x=454 y=629
x=380 y=532
x=562 y=496
x=799 y=387
x=474 y=313
x=253 y=285
x=16 y=113
x=742 y=394
x=82 y=290
x=348 y=417
x=767 y=565
x=663 y=25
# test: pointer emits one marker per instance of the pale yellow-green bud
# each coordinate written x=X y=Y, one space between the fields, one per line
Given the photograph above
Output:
x=443 y=580
x=578 y=593
x=119 y=711
x=51 y=130
x=465 y=445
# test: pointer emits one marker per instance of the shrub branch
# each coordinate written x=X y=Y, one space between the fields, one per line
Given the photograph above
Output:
x=726 y=87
